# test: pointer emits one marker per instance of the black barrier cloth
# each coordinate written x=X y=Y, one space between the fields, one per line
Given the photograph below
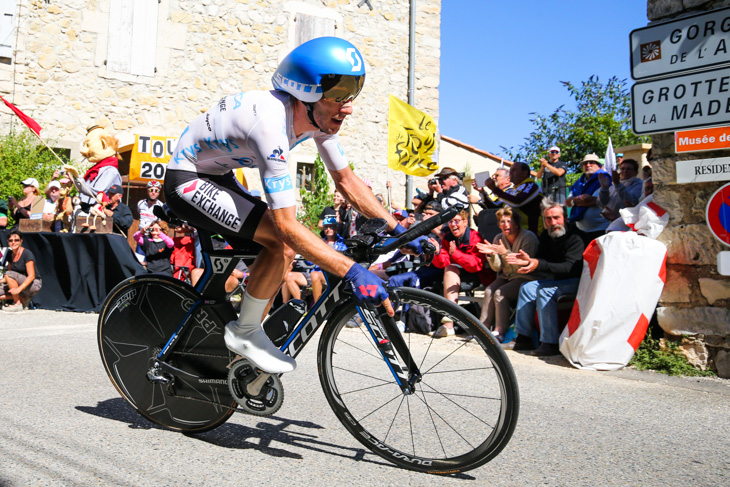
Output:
x=79 y=270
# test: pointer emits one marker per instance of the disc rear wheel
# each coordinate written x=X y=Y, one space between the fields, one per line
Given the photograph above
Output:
x=136 y=321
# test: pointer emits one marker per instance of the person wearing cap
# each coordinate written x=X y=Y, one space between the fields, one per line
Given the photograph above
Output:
x=446 y=188
x=524 y=196
x=32 y=203
x=402 y=217
x=552 y=172
x=586 y=214
x=338 y=210
x=619 y=159
x=50 y=208
x=118 y=211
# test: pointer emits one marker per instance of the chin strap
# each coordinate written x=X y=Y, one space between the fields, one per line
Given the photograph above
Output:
x=310 y=113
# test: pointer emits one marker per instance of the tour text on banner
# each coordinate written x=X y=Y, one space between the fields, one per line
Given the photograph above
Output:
x=150 y=155
x=411 y=140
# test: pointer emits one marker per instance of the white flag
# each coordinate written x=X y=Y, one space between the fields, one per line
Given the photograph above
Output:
x=610 y=165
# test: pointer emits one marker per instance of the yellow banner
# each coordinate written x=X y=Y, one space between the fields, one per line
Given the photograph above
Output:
x=411 y=139
x=150 y=156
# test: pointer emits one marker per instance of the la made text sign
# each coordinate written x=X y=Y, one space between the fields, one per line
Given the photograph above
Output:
x=687 y=101
x=689 y=43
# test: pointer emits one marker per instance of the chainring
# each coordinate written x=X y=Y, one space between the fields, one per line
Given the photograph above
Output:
x=269 y=399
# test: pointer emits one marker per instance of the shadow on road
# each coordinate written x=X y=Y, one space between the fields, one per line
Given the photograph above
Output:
x=260 y=437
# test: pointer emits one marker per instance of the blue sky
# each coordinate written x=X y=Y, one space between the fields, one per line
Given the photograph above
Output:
x=502 y=60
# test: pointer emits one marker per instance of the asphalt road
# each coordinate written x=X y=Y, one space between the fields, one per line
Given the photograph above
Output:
x=63 y=423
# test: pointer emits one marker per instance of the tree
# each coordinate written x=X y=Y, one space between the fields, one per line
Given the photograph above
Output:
x=315 y=197
x=23 y=156
x=602 y=111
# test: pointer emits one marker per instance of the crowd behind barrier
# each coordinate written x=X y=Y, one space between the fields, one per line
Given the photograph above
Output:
x=522 y=249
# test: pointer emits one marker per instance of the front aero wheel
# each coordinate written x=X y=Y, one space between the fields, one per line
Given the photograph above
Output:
x=461 y=414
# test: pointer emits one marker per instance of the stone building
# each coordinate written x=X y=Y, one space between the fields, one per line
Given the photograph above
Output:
x=696 y=299
x=151 y=66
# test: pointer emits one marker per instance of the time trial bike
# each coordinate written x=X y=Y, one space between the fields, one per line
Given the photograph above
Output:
x=432 y=405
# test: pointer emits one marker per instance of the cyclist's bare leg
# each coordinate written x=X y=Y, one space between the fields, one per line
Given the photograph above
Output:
x=245 y=336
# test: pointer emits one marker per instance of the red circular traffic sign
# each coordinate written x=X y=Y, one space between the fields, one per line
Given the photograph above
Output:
x=718 y=214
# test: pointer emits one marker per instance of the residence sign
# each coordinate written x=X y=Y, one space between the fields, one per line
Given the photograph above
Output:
x=690 y=43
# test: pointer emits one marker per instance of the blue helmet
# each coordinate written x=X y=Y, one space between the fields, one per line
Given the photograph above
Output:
x=326 y=67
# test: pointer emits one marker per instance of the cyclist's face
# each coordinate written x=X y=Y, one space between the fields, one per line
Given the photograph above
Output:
x=153 y=193
x=330 y=115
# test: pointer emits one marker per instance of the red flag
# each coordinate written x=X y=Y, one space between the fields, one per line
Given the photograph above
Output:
x=32 y=124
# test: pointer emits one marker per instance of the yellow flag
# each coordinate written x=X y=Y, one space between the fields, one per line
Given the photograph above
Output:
x=411 y=139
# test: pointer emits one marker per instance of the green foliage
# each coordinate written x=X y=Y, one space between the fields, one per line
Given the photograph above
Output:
x=23 y=156
x=665 y=357
x=602 y=111
x=316 y=195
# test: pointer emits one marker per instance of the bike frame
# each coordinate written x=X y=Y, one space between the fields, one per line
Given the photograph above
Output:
x=382 y=328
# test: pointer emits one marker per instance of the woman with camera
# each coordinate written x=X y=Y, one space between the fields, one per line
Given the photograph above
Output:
x=21 y=282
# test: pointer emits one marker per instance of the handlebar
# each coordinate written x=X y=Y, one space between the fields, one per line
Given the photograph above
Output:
x=419 y=229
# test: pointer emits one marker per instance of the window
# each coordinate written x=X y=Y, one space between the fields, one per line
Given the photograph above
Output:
x=310 y=27
x=304 y=175
x=7 y=28
x=132 y=36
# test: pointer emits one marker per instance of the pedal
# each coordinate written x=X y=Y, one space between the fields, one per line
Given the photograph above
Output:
x=256 y=392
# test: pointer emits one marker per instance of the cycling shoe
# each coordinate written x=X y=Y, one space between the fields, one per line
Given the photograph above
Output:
x=251 y=342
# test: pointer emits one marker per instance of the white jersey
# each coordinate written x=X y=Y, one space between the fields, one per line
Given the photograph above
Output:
x=146 y=212
x=252 y=129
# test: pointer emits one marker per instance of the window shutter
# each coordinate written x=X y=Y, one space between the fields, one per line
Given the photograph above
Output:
x=132 y=44
x=309 y=27
x=7 y=27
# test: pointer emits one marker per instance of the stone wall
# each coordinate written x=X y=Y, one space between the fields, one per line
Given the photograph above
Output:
x=205 y=50
x=696 y=300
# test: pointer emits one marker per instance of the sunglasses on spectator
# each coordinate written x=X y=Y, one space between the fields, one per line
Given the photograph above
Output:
x=555 y=152
x=455 y=221
x=153 y=190
x=13 y=240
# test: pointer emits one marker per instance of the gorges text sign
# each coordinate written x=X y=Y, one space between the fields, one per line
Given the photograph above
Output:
x=692 y=100
x=694 y=42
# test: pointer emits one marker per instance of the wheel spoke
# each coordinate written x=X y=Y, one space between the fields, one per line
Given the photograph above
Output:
x=450 y=426
x=458 y=370
x=435 y=428
x=446 y=396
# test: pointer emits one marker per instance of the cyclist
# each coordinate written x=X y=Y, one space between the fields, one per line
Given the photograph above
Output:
x=145 y=206
x=315 y=86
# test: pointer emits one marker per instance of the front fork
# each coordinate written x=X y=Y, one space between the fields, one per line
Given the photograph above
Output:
x=391 y=344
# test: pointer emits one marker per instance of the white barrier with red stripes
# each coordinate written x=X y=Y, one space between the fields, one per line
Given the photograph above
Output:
x=623 y=277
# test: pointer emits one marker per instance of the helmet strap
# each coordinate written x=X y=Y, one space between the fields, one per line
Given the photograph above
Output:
x=310 y=113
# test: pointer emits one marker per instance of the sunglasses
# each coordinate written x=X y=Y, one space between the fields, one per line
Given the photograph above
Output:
x=455 y=221
x=13 y=240
x=341 y=88
x=152 y=190
x=555 y=152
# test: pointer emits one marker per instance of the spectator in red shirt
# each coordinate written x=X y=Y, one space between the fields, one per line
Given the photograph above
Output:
x=461 y=261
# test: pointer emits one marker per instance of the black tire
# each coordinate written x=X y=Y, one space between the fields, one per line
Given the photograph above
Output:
x=136 y=321
x=462 y=413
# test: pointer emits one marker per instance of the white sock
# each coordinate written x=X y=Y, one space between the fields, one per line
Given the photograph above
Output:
x=252 y=311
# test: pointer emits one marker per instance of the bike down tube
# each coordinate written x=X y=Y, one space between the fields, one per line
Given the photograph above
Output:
x=170 y=345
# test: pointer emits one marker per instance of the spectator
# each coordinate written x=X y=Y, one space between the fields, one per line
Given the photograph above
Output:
x=146 y=206
x=32 y=203
x=118 y=211
x=553 y=176
x=157 y=247
x=334 y=240
x=623 y=193
x=51 y=205
x=100 y=148
x=338 y=210
x=648 y=188
x=586 y=215
x=558 y=266
x=619 y=159
x=445 y=188
x=646 y=172
x=183 y=255
x=22 y=281
x=524 y=196
x=401 y=216
x=459 y=257
x=503 y=291
x=294 y=281
x=489 y=199
x=3 y=214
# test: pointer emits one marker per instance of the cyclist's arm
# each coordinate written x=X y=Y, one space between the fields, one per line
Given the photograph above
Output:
x=312 y=248
x=360 y=196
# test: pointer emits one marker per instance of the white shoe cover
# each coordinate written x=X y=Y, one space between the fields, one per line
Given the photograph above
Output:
x=254 y=345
